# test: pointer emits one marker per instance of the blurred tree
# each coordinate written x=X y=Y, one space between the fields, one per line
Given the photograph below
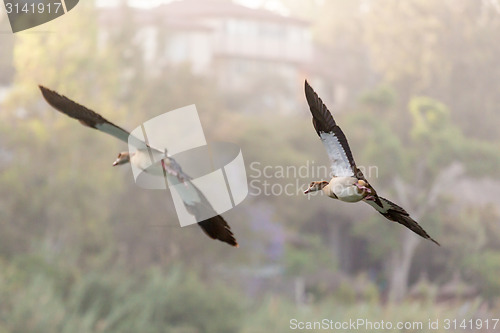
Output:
x=64 y=208
x=153 y=301
x=420 y=68
x=43 y=198
x=441 y=49
x=6 y=54
x=420 y=172
x=390 y=53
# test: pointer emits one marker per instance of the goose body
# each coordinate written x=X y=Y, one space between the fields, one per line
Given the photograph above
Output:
x=348 y=183
x=195 y=202
x=344 y=189
x=141 y=159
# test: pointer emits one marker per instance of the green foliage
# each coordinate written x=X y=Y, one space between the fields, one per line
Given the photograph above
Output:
x=378 y=146
x=434 y=48
x=422 y=93
x=276 y=315
x=383 y=97
x=442 y=142
x=429 y=117
x=309 y=256
x=485 y=267
x=154 y=302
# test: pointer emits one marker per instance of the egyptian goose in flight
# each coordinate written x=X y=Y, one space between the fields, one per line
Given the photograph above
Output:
x=348 y=183
x=194 y=200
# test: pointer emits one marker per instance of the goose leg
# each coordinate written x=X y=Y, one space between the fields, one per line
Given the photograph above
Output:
x=363 y=188
x=173 y=169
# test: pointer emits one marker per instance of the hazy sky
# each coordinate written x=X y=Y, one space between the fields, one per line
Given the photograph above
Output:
x=273 y=5
x=151 y=3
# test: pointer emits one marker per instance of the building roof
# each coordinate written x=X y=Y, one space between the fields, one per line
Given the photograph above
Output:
x=187 y=12
x=221 y=8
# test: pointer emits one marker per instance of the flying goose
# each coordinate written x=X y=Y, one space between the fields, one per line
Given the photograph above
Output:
x=194 y=200
x=348 y=183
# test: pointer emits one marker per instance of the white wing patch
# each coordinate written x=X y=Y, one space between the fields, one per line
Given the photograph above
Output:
x=386 y=206
x=114 y=131
x=120 y=134
x=338 y=158
x=382 y=210
x=186 y=191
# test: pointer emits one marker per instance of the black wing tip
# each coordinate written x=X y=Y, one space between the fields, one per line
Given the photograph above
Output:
x=421 y=232
x=228 y=237
x=217 y=228
x=322 y=118
x=311 y=95
x=51 y=96
x=45 y=91
x=399 y=215
x=434 y=241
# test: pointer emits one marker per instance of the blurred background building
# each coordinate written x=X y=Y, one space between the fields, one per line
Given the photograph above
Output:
x=236 y=45
x=414 y=84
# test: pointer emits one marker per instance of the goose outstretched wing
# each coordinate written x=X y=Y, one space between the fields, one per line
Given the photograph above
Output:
x=195 y=202
x=88 y=117
x=333 y=138
x=394 y=213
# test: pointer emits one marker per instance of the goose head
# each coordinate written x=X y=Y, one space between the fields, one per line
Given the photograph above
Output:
x=123 y=157
x=316 y=186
